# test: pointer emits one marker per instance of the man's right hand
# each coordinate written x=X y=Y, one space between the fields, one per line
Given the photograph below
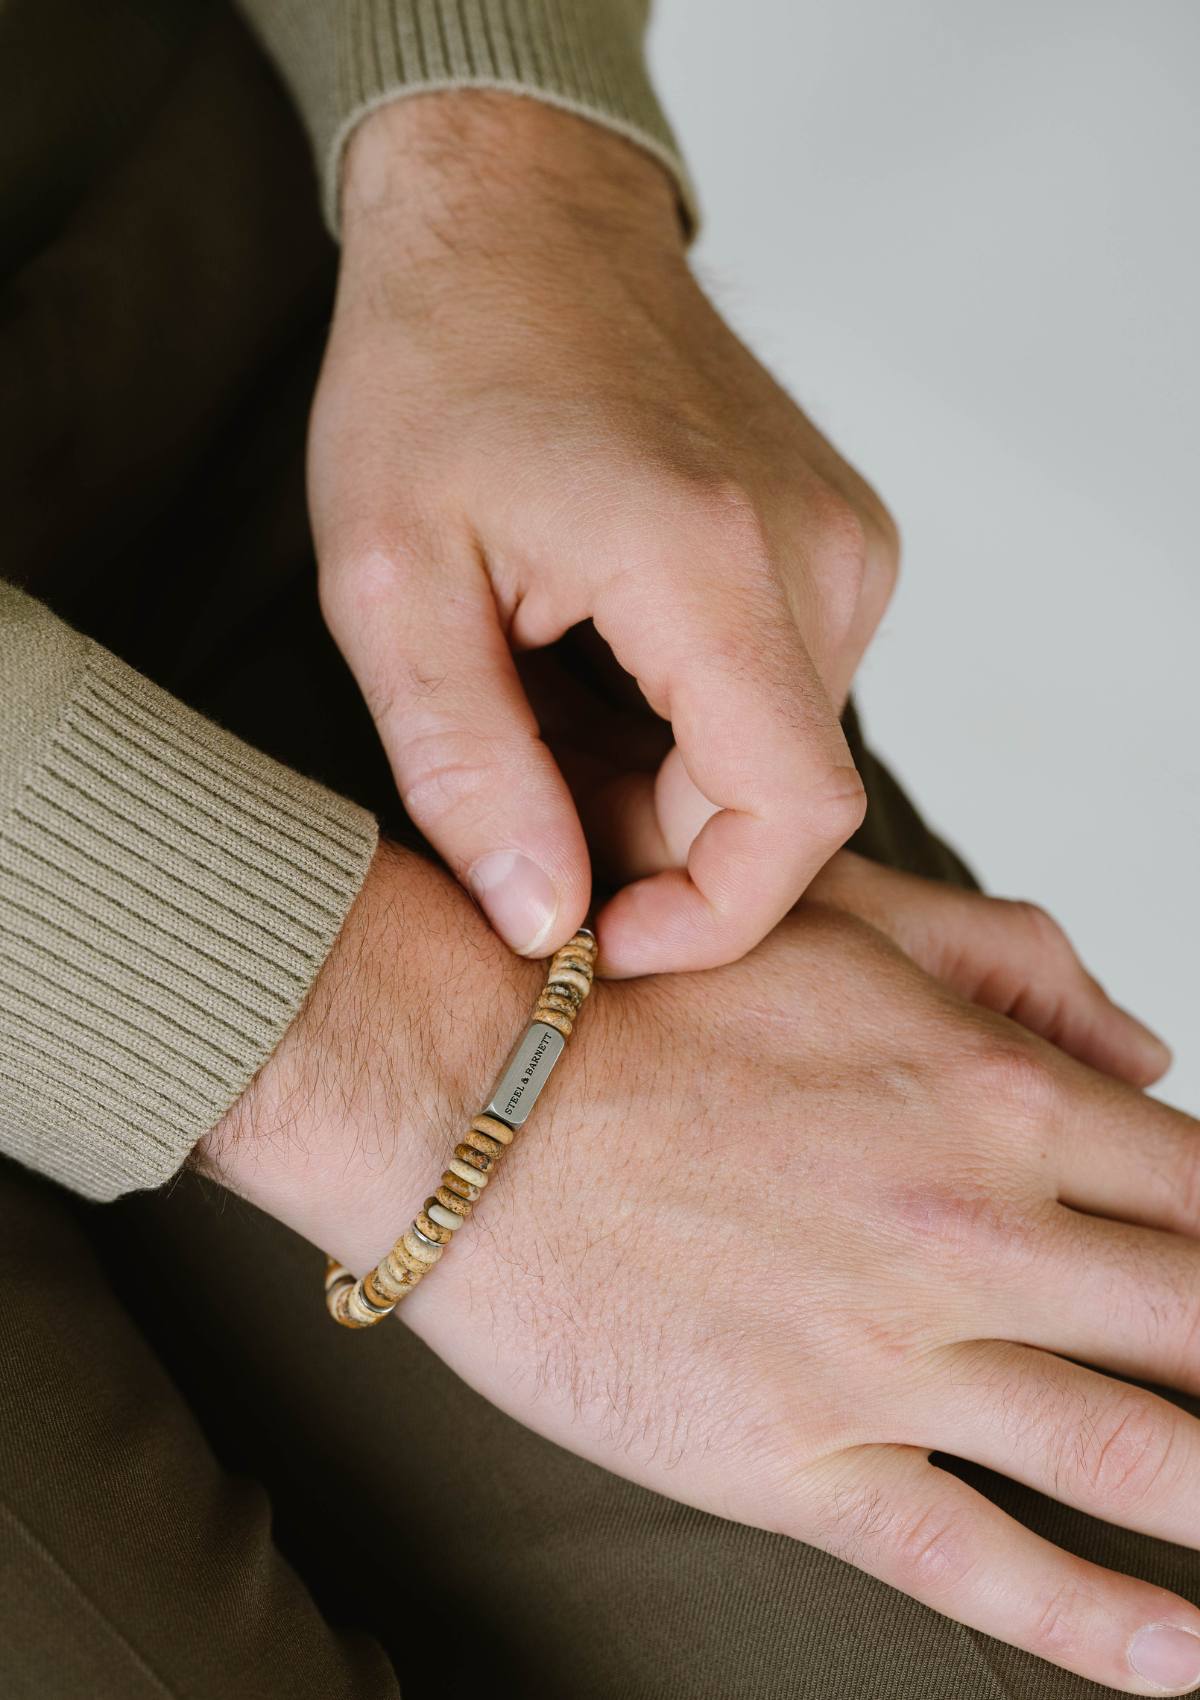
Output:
x=778 y=1231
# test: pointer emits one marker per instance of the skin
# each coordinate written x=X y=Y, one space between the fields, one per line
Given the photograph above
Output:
x=781 y=1228
x=530 y=417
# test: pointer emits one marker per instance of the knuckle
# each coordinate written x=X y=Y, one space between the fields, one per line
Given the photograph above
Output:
x=1185 y=1180
x=1062 y=1624
x=715 y=511
x=1043 y=930
x=1011 y=1074
x=362 y=576
x=968 y=1233
x=837 y=806
x=931 y=1552
x=881 y=572
x=1120 y=1460
x=839 y=558
x=449 y=774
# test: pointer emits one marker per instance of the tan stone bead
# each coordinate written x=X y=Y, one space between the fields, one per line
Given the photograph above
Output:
x=431 y=1229
x=412 y=1261
x=418 y=1248
x=483 y=1143
x=461 y=1189
x=378 y=1291
x=452 y=1200
x=473 y=1159
x=358 y=1307
x=570 y=977
x=335 y=1273
x=456 y=1169
x=553 y=998
x=576 y=963
x=493 y=1126
x=444 y=1218
x=553 y=1018
x=339 y=1303
x=390 y=1280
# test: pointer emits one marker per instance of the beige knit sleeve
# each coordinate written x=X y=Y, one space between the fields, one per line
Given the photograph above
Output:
x=343 y=58
x=167 y=896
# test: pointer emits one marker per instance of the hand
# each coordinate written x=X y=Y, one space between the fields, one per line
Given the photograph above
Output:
x=777 y=1232
x=1011 y=957
x=531 y=417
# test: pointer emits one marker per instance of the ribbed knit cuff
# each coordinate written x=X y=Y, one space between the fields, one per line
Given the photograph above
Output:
x=344 y=60
x=167 y=897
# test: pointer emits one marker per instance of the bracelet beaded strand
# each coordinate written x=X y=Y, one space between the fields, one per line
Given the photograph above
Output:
x=361 y=1303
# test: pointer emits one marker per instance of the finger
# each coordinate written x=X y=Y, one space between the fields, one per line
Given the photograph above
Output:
x=1006 y=956
x=1123 y=1154
x=433 y=664
x=1122 y=1297
x=758 y=740
x=1118 y=1452
x=922 y=1530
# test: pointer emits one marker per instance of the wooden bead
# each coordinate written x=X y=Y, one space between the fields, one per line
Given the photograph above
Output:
x=483 y=1143
x=459 y=1189
x=473 y=1159
x=433 y=1230
x=444 y=1218
x=457 y=1169
x=418 y=1249
x=495 y=1128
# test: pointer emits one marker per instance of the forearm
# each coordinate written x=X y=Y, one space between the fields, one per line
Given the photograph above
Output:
x=167 y=897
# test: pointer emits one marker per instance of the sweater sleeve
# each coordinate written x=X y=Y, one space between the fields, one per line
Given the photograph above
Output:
x=167 y=897
x=343 y=58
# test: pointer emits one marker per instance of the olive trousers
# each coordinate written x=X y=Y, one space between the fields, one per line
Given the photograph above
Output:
x=205 y=1489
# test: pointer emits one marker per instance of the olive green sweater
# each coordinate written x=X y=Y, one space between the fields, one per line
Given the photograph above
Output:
x=168 y=895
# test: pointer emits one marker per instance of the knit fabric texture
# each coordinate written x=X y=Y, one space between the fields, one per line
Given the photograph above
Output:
x=167 y=897
x=343 y=60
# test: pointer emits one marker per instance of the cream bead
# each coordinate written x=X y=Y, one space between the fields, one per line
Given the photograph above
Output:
x=443 y=1217
x=464 y=1171
x=418 y=1249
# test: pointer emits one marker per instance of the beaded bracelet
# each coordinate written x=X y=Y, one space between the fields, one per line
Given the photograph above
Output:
x=359 y=1303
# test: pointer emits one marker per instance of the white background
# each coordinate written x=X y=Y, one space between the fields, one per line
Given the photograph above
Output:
x=966 y=236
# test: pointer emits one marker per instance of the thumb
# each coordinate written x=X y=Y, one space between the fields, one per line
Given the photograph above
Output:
x=435 y=668
x=1008 y=956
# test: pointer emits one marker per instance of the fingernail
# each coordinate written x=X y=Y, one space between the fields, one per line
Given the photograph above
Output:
x=517 y=898
x=1166 y=1656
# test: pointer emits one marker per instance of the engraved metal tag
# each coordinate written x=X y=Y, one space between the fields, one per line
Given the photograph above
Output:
x=525 y=1073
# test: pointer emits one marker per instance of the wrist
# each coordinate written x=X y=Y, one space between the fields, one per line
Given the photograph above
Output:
x=443 y=171
x=411 y=1014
